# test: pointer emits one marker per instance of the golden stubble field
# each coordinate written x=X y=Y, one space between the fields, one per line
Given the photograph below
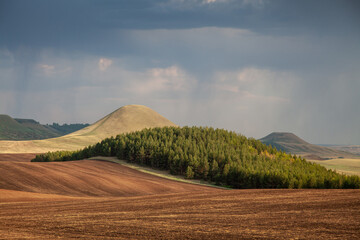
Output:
x=161 y=208
x=349 y=166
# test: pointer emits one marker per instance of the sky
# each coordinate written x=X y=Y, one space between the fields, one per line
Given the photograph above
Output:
x=250 y=66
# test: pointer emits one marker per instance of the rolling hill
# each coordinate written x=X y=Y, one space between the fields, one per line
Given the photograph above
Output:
x=24 y=129
x=125 y=119
x=355 y=149
x=290 y=143
x=17 y=129
x=86 y=178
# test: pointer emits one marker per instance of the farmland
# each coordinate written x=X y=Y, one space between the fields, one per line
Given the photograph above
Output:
x=67 y=205
x=108 y=198
x=214 y=214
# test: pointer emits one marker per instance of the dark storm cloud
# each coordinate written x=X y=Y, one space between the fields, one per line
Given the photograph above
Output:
x=83 y=24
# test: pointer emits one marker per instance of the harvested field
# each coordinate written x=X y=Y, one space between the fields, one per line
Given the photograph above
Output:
x=219 y=214
x=350 y=166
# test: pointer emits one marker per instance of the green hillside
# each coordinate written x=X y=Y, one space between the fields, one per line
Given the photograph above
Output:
x=29 y=129
x=23 y=129
x=215 y=155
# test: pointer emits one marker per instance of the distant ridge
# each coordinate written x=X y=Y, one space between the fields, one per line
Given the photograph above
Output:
x=290 y=143
x=354 y=149
x=123 y=120
x=24 y=129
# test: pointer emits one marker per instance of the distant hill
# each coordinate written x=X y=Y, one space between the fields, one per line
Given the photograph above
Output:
x=18 y=129
x=290 y=143
x=24 y=129
x=125 y=119
x=355 y=149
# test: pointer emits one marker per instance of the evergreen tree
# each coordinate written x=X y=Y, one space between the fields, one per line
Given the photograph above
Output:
x=211 y=154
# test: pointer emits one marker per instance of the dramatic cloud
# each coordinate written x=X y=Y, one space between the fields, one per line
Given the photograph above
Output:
x=250 y=66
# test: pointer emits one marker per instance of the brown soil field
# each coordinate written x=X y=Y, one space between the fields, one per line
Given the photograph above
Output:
x=219 y=214
x=86 y=178
x=16 y=157
x=21 y=196
x=91 y=199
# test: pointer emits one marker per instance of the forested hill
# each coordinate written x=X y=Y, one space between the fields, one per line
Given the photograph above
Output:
x=216 y=155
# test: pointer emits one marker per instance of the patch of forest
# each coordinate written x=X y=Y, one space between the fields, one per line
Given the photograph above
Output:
x=216 y=155
x=67 y=128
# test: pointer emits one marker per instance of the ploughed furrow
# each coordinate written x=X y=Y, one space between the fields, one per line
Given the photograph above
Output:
x=86 y=178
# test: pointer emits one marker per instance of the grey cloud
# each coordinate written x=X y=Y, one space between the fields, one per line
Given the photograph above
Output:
x=82 y=24
x=51 y=50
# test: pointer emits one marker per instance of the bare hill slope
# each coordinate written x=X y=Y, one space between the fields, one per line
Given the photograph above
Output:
x=86 y=178
x=291 y=143
x=125 y=119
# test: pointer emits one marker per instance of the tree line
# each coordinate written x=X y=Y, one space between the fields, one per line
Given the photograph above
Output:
x=67 y=128
x=216 y=155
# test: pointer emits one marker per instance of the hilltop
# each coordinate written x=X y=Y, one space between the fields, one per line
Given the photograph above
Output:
x=125 y=119
x=290 y=143
x=129 y=118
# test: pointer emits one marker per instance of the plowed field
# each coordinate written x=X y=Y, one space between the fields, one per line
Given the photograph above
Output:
x=86 y=178
x=101 y=200
x=220 y=214
x=16 y=157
